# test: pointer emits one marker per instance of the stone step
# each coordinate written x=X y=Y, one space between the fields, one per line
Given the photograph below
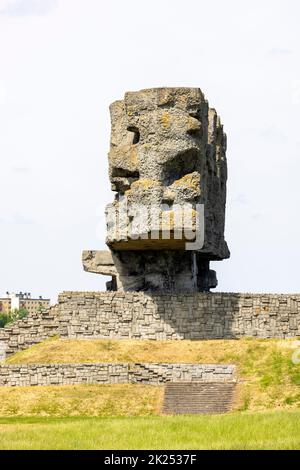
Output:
x=198 y=398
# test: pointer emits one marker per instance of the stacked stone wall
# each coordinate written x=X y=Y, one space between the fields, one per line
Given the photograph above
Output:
x=138 y=315
x=148 y=374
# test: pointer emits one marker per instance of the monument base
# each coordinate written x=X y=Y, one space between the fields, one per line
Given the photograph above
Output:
x=142 y=316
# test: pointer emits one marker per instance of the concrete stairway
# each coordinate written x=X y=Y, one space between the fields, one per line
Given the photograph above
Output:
x=198 y=398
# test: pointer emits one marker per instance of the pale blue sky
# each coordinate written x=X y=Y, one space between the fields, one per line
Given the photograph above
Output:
x=61 y=64
x=20 y=8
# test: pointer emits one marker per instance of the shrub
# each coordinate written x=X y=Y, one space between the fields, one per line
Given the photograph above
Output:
x=4 y=319
x=10 y=317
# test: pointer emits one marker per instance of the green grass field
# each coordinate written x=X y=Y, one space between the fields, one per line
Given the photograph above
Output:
x=277 y=430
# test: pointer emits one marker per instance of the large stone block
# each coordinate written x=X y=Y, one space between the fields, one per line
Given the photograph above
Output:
x=167 y=165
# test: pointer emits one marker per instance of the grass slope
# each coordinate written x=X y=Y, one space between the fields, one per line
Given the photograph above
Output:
x=80 y=400
x=276 y=430
x=268 y=377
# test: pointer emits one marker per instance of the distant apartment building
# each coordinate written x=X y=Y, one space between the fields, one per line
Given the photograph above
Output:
x=22 y=300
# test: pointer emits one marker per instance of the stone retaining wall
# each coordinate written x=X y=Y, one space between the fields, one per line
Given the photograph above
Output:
x=30 y=330
x=178 y=316
x=139 y=315
x=149 y=374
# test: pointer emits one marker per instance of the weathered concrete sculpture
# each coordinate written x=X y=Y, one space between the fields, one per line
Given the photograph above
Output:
x=167 y=164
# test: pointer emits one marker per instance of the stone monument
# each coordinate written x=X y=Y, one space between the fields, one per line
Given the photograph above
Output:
x=167 y=166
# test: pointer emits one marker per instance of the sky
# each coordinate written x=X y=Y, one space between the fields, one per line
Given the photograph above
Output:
x=62 y=62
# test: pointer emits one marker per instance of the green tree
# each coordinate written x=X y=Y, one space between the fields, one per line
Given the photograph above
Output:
x=12 y=316
x=4 y=319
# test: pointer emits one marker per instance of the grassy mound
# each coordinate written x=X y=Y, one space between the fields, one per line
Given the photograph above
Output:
x=127 y=416
x=277 y=430
x=268 y=377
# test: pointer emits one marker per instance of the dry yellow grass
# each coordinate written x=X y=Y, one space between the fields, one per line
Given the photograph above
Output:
x=81 y=400
x=58 y=350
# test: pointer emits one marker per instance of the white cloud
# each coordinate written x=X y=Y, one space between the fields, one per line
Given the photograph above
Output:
x=17 y=219
x=277 y=51
x=20 y=169
x=26 y=7
x=4 y=4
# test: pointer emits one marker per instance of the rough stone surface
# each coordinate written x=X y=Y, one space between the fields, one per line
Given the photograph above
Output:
x=149 y=374
x=178 y=316
x=31 y=330
x=99 y=262
x=2 y=351
x=139 y=315
x=167 y=151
